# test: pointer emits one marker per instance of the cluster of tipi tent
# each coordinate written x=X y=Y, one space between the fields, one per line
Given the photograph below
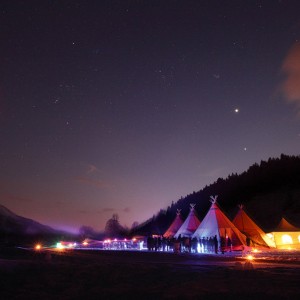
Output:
x=242 y=231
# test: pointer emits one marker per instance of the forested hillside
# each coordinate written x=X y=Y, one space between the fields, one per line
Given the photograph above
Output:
x=268 y=190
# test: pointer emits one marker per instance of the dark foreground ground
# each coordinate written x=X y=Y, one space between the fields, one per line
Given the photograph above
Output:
x=142 y=275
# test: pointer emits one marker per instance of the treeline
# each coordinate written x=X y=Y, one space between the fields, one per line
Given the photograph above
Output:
x=268 y=190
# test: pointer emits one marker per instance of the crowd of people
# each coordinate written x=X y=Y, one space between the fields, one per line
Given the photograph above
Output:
x=190 y=245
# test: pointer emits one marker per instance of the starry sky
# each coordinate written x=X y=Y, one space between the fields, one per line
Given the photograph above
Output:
x=125 y=106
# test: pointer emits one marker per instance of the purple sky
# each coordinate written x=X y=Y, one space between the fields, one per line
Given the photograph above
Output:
x=125 y=106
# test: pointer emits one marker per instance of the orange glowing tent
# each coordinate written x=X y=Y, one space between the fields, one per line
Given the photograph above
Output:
x=255 y=235
x=174 y=227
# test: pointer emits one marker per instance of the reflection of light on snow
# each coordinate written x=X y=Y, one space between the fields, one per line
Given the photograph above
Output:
x=287 y=239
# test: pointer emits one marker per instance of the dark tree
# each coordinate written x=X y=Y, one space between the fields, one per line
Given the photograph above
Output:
x=113 y=227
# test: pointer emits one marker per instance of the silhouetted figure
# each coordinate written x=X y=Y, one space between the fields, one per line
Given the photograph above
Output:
x=229 y=244
x=211 y=244
x=248 y=241
x=223 y=244
x=216 y=244
x=194 y=245
x=150 y=243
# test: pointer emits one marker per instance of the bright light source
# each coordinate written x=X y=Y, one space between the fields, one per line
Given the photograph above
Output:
x=287 y=239
x=249 y=257
x=38 y=247
x=85 y=243
x=59 y=246
x=255 y=250
x=236 y=110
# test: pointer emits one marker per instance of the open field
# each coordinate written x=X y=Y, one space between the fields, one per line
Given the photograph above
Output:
x=98 y=274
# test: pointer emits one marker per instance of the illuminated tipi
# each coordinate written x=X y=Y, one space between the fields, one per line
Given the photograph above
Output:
x=190 y=224
x=255 y=235
x=217 y=224
x=286 y=235
x=174 y=227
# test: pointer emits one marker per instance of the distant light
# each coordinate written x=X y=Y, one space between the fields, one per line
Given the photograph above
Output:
x=250 y=257
x=38 y=247
x=245 y=149
x=255 y=250
x=287 y=239
x=236 y=110
x=85 y=243
x=59 y=246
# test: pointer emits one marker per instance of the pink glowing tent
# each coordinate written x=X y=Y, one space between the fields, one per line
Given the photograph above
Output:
x=174 y=227
x=190 y=224
x=217 y=224
x=257 y=237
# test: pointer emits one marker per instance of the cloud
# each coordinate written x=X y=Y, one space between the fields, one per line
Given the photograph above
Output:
x=94 y=182
x=17 y=199
x=291 y=68
x=106 y=209
x=110 y=209
x=91 y=169
x=126 y=210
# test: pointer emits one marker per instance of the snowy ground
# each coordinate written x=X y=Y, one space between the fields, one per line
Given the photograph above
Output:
x=102 y=274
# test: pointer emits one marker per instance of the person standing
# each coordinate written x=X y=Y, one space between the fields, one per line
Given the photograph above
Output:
x=216 y=244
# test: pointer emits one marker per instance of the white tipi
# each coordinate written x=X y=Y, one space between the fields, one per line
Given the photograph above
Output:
x=217 y=224
x=189 y=225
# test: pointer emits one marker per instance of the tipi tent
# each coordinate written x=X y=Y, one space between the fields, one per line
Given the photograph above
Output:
x=255 y=235
x=190 y=224
x=286 y=235
x=176 y=224
x=217 y=224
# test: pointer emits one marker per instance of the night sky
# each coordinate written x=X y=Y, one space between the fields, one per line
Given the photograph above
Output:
x=125 y=106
